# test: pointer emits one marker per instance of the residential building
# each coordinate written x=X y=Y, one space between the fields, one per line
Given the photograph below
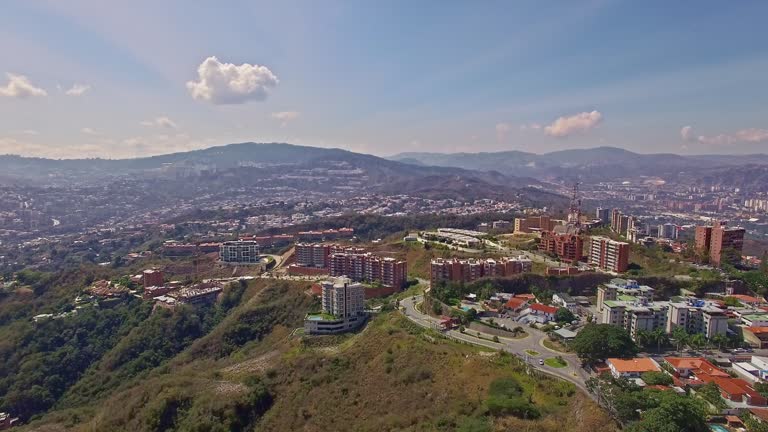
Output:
x=634 y=316
x=361 y=266
x=469 y=270
x=501 y=224
x=623 y=289
x=604 y=214
x=667 y=231
x=714 y=241
x=609 y=255
x=534 y=224
x=564 y=300
x=631 y=368
x=756 y=337
x=343 y=303
x=541 y=313
x=239 y=252
x=568 y=247
x=312 y=254
x=202 y=293
x=152 y=277
x=697 y=316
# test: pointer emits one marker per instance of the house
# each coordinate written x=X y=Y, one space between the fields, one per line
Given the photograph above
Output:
x=760 y=415
x=631 y=368
x=542 y=313
x=756 y=337
x=516 y=305
x=447 y=323
x=686 y=367
x=748 y=300
x=564 y=300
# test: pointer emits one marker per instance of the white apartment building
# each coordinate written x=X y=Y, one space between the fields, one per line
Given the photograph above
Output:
x=239 y=252
x=343 y=308
x=697 y=316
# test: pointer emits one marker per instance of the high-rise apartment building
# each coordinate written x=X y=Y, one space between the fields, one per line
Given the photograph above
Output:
x=360 y=266
x=717 y=240
x=604 y=214
x=609 y=255
x=568 y=247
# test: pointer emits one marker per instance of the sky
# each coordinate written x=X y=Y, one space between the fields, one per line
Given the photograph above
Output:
x=132 y=79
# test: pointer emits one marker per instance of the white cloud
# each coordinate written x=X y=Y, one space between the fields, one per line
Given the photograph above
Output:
x=227 y=83
x=686 y=133
x=581 y=122
x=286 y=117
x=29 y=132
x=88 y=131
x=534 y=126
x=77 y=90
x=502 y=130
x=750 y=135
x=20 y=87
x=161 y=121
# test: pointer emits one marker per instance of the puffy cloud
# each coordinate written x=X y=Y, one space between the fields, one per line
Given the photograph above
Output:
x=77 y=90
x=227 y=83
x=750 y=135
x=581 y=122
x=88 y=131
x=20 y=87
x=286 y=117
x=162 y=121
x=502 y=130
x=686 y=133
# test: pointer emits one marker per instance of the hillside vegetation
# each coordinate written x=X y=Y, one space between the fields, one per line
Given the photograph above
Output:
x=238 y=366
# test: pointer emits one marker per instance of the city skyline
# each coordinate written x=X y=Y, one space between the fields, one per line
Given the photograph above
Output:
x=87 y=79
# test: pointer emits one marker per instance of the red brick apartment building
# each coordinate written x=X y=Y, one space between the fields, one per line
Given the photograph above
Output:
x=568 y=247
x=609 y=255
x=368 y=267
x=469 y=270
x=714 y=240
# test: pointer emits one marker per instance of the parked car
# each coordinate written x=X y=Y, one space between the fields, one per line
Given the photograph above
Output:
x=541 y=362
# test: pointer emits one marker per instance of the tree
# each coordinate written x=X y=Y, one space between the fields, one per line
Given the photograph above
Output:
x=698 y=340
x=643 y=338
x=719 y=340
x=657 y=378
x=659 y=337
x=563 y=315
x=680 y=336
x=597 y=342
x=674 y=413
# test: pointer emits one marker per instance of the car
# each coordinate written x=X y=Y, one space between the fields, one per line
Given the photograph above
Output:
x=541 y=362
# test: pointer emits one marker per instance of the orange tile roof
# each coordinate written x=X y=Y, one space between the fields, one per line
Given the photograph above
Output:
x=697 y=365
x=515 y=303
x=747 y=298
x=543 y=308
x=761 y=413
x=526 y=296
x=758 y=330
x=639 y=364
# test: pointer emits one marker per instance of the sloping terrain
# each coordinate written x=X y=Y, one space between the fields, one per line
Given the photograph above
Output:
x=249 y=371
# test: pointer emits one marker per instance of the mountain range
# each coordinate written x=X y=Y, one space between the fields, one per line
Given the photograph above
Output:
x=600 y=163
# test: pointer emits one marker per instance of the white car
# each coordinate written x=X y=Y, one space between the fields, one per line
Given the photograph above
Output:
x=541 y=362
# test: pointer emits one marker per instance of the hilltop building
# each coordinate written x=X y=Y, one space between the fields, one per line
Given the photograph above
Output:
x=343 y=308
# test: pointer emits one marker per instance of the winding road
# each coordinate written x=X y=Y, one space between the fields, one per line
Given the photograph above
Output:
x=573 y=373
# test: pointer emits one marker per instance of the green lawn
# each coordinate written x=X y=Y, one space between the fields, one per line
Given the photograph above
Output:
x=555 y=362
x=532 y=353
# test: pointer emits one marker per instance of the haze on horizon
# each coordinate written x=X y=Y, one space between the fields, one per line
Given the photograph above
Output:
x=91 y=79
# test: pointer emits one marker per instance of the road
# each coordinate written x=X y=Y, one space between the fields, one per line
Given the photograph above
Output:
x=533 y=342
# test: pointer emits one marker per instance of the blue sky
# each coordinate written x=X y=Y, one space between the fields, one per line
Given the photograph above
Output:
x=94 y=78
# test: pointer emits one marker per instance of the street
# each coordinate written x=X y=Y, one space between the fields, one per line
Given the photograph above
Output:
x=533 y=342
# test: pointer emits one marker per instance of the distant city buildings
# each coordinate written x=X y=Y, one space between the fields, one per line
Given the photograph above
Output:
x=361 y=266
x=604 y=215
x=469 y=270
x=343 y=303
x=609 y=255
x=239 y=252
x=716 y=240
x=152 y=277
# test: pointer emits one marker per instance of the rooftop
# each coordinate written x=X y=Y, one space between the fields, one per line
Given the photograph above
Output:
x=639 y=364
